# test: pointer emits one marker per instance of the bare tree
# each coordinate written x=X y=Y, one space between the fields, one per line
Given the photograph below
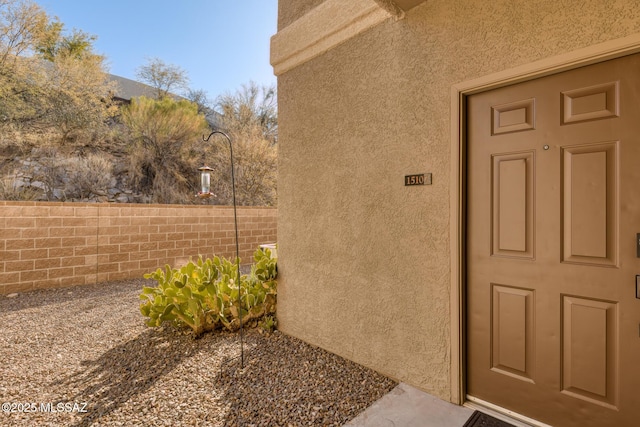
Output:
x=249 y=107
x=200 y=98
x=165 y=78
x=250 y=117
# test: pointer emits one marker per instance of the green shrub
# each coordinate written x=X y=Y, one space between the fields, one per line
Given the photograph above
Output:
x=203 y=295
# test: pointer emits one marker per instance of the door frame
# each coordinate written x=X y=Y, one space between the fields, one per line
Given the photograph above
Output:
x=459 y=92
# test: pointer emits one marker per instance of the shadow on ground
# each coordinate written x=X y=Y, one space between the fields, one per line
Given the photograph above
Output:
x=125 y=371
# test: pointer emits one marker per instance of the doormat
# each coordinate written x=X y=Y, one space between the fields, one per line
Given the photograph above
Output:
x=480 y=419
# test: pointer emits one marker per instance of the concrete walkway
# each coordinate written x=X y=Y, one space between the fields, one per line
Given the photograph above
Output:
x=406 y=406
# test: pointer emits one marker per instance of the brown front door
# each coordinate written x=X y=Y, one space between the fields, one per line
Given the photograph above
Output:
x=553 y=212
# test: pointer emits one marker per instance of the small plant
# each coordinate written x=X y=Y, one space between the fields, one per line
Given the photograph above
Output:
x=11 y=189
x=83 y=181
x=268 y=324
x=204 y=295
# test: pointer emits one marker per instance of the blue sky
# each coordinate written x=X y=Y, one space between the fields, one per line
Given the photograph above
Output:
x=221 y=44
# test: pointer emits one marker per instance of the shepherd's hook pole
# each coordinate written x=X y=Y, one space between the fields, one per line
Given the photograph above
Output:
x=235 y=219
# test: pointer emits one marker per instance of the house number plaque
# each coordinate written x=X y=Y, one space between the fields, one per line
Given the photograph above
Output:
x=417 y=179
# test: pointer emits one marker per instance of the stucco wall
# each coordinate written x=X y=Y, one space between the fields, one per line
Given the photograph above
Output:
x=364 y=261
x=291 y=10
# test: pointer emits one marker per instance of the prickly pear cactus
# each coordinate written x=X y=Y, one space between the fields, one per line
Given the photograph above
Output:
x=203 y=295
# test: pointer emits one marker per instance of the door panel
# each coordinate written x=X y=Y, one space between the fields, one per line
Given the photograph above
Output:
x=512 y=350
x=553 y=208
x=590 y=203
x=589 y=350
x=512 y=203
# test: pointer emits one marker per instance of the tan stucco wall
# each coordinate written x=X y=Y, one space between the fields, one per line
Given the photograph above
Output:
x=364 y=261
x=291 y=10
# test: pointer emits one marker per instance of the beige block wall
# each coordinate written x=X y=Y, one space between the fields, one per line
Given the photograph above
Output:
x=45 y=245
x=364 y=262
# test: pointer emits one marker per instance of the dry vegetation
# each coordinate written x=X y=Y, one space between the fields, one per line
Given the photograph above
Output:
x=63 y=138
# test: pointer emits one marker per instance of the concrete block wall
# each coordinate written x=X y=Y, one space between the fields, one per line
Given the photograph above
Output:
x=44 y=245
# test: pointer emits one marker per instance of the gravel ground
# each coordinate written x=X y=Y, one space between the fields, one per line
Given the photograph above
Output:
x=86 y=354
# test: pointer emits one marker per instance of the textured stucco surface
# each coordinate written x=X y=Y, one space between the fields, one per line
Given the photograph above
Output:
x=291 y=10
x=330 y=23
x=364 y=261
